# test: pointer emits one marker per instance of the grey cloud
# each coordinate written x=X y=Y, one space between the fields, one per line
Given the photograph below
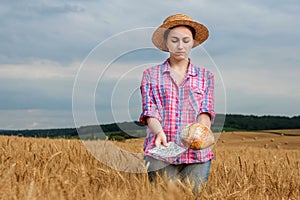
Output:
x=33 y=119
x=31 y=8
x=59 y=8
x=35 y=95
x=28 y=32
x=243 y=102
x=234 y=26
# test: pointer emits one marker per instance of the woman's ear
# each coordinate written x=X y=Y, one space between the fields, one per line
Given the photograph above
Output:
x=167 y=47
x=194 y=43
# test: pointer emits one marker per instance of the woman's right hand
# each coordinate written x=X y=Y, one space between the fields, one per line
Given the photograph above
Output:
x=161 y=139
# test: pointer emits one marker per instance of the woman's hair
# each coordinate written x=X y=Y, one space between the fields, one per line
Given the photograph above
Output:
x=189 y=27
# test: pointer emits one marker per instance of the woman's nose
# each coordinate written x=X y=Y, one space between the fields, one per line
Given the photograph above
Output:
x=180 y=45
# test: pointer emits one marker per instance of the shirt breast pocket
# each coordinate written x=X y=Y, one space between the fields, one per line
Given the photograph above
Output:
x=196 y=96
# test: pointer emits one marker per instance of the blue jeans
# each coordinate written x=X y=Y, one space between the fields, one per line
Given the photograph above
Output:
x=197 y=173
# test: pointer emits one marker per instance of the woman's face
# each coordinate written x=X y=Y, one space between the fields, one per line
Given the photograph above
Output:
x=180 y=42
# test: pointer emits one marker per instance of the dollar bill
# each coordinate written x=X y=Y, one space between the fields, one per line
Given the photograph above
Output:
x=172 y=150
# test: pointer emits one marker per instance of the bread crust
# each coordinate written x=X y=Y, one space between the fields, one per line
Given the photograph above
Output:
x=197 y=136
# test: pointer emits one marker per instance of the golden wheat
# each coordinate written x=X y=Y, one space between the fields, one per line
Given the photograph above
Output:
x=33 y=168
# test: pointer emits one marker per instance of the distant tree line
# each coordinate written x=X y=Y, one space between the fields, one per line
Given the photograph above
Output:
x=51 y=133
x=127 y=130
x=252 y=122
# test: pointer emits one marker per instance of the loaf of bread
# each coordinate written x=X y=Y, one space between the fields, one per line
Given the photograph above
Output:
x=197 y=136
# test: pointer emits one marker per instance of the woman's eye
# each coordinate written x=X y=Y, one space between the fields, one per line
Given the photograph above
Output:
x=186 y=41
x=174 y=41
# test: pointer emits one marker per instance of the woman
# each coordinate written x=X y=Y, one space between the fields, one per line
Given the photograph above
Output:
x=175 y=94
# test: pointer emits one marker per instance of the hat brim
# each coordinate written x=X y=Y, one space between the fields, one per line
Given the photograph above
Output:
x=201 y=33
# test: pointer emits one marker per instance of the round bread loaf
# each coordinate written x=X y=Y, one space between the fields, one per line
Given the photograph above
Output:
x=197 y=136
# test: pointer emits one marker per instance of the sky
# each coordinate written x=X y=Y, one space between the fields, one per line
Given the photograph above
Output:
x=73 y=63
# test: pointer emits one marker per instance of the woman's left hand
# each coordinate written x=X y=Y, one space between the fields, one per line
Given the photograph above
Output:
x=204 y=119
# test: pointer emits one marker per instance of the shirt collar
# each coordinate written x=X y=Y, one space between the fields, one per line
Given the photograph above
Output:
x=191 y=68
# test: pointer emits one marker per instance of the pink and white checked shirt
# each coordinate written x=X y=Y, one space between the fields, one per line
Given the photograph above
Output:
x=175 y=106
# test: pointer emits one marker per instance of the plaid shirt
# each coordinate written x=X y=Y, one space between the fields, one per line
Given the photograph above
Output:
x=175 y=106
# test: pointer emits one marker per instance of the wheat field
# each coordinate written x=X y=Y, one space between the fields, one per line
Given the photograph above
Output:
x=248 y=165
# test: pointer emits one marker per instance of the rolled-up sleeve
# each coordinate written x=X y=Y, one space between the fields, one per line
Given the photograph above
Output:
x=149 y=107
x=208 y=101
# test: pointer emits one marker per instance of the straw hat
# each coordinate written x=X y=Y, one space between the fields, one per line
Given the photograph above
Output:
x=201 y=32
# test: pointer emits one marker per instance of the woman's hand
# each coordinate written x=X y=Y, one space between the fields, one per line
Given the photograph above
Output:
x=161 y=139
x=157 y=129
x=204 y=119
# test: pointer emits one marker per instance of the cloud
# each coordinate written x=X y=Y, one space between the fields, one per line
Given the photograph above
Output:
x=37 y=119
x=262 y=91
x=39 y=70
x=34 y=124
x=66 y=32
x=38 y=85
x=50 y=30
